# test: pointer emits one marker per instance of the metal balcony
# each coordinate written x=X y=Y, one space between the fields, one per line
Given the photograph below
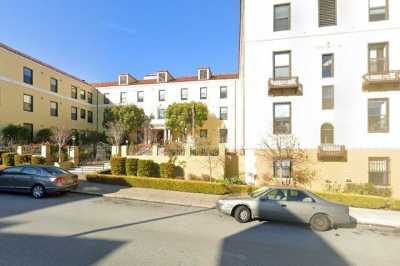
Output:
x=285 y=87
x=332 y=153
x=387 y=81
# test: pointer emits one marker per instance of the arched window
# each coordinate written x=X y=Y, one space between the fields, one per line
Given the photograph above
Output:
x=327 y=134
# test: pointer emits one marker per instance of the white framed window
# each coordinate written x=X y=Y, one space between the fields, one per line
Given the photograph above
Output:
x=282 y=17
x=378 y=10
x=223 y=92
x=282 y=118
x=161 y=95
x=140 y=96
x=123 y=98
x=203 y=93
x=184 y=94
x=282 y=65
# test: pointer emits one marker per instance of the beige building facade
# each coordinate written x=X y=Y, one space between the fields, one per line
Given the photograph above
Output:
x=37 y=95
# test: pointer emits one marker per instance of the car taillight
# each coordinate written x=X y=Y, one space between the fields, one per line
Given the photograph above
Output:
x=60 y=180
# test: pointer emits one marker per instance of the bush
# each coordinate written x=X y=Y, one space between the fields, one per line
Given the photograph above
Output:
x=367 y=189
x=38 y=160
x=131 y=167
x=395 y=205
x=67 y=165
x=167 y=170
x=232 y=181
x=118 y=165
x=1 y=160
x=8 y=159
x=43 y=135
x=22 y=159
x=357 y=201
x=146 y=168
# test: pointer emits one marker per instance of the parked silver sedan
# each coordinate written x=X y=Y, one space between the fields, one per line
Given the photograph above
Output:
x=286 y=204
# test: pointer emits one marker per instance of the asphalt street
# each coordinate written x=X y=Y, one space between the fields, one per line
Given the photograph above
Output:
x=79 y=230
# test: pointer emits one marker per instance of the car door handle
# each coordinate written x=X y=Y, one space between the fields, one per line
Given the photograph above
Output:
x=283 y=205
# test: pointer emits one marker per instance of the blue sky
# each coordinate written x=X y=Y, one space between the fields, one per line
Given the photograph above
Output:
x=98 y=39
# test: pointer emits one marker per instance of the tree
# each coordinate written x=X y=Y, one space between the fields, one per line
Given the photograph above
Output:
x=61 y=136
x=183 y=118
x=286 y=148
x=43 y=135
x=16 y=134
x=130 y=115
x=117 y=132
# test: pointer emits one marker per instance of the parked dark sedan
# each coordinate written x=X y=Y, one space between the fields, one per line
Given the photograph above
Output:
x=286 y=204
x=37 y=180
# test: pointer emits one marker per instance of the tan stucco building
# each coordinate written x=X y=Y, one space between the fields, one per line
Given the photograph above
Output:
x=37 y=95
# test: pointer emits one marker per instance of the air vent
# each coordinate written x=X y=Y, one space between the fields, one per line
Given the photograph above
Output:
x=327 y=13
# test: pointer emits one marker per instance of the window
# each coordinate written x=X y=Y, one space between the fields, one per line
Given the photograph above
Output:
x=28 y=103
x=122 y=98
x=82 y=94
x=203 y=133
x=161 y=95
x=282 y=17
x=161 y=113
x=378 y=59
x=74 y=113
x=327 y=13
x=184 y=94
x=162 y=77
x=31 y=171
x=282 y=168
x=13 y=170
x=223 y=113
x=203 y=93
x=53 y=85
x=90 y=97
x=53 y=109
x=90 y=116
x=328 y=97
x=378 y=10
x=282 y=65
x=327 y=65
x=223 y=135
x=223 y=92
x=276 y=195
x=378 y=171
x=123 y=79
x=29 y=126
x=282 y=118
x=327 y=134
x=204 y=74
x=106 y=98
x=298 y=196
x=378 y=115
x=140 y=96
x=83 y=114
x=28 y=75
x=74 y=92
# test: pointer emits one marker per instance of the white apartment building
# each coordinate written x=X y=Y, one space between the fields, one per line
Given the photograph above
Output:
x=155 y=92
x=327 y=72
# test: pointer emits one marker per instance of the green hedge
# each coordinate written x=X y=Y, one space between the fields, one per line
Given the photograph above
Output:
x=168 y=184
x=357 y=201
x=146 y=168
x=8 y=159
x=118 y=165
x=67 y=165
x=131 y=166
x=1 y=152
x=22 y=159
x=167 y=170
x=368 y=189
x=38 y=160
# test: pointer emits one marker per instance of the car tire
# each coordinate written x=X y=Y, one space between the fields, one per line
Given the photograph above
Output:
x=320 y=222
x=38 y=191
x=242 y=214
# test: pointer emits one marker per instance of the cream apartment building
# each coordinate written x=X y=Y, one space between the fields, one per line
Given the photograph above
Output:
x=155 y=92
x=37 y=95
x=327 y=72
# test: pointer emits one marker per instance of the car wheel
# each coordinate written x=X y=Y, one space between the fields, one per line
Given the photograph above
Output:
x=320 y=222
x=38 y=191
x=242 y=214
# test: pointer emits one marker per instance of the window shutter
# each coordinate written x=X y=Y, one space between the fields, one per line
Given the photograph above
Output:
x=327 y=13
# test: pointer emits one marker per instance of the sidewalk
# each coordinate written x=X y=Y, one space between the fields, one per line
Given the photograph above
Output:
x=363 y=216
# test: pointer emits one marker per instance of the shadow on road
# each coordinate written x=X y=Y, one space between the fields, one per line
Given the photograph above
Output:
x=278 y=244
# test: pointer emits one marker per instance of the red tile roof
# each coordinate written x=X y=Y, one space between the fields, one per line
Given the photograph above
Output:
x=154 y=81
x=14 y=51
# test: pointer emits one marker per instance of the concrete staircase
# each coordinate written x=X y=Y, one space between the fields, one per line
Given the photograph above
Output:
x=84 y=169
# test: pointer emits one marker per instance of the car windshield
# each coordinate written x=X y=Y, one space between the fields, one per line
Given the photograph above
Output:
x=258 y=192
x=56 y=171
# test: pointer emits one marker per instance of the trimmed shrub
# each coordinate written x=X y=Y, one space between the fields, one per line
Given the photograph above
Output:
x=367 y=189
x=8 y=159
x=118 y=165
x=146 y=168
x=131 y=166
x=1 y=160
x=357 y=201
x=38 y=160
x=232 y=181
x=167 y=170
x=67 y=165
x=395 y=205
x=22 y=159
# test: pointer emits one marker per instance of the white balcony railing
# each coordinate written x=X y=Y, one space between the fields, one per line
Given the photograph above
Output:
x=286 y=86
